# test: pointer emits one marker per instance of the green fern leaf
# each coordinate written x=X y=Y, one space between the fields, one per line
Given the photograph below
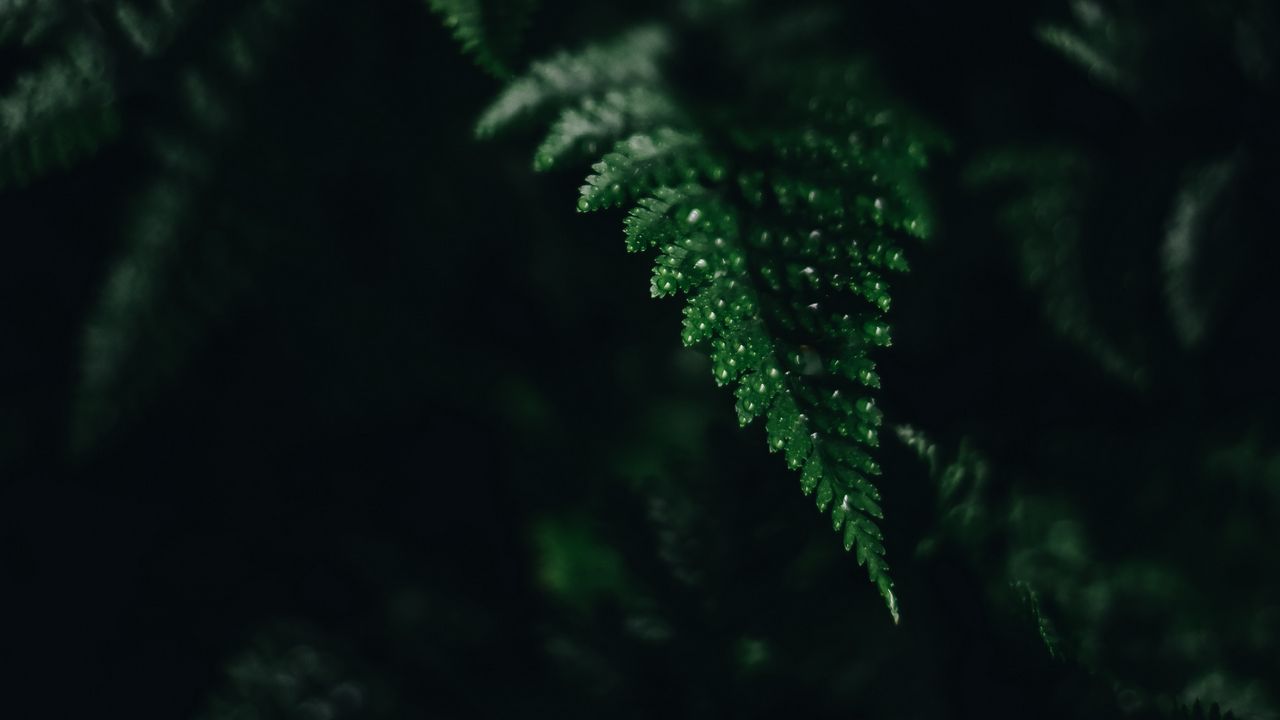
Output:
x=583 y=129
x=780 y=237
x=629 y=62
x=643 y=162
x=646 y=224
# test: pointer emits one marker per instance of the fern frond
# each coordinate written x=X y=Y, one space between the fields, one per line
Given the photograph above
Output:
x=642 y=162
x=583 y=129
x=627 y=62
x=186 y=256
x=794 y=361
x=780 y=236
x=57 y=112
x=1045 y=212
x=65 y=107
x=489 y=30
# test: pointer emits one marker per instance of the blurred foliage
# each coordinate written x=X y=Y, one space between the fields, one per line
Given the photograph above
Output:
x=284 y=676
x=490 y=30
x=313 y=406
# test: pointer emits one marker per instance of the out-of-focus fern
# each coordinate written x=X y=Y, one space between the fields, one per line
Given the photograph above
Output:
x=1092 y=42
x=185 y=256
x=27 y=22
x=150 y=26
x=780 y=220
x=963 y=516
x=64 y=102
x=289 y=673
x=628 y=63
x=1197 y=711
x=1122 y=47
x=63 y=105
x=1082 y=606
x=1166 y=67
x=579 y=131
x=1045 y=213
x=490 y=30
x=1191 y=304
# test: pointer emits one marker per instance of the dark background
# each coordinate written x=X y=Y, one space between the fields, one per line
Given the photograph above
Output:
x=440 y=434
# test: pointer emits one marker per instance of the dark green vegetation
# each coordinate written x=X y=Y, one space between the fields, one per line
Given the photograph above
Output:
x=316 y=405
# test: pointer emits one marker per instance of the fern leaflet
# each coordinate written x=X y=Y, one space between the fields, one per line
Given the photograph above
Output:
x=489 y=30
